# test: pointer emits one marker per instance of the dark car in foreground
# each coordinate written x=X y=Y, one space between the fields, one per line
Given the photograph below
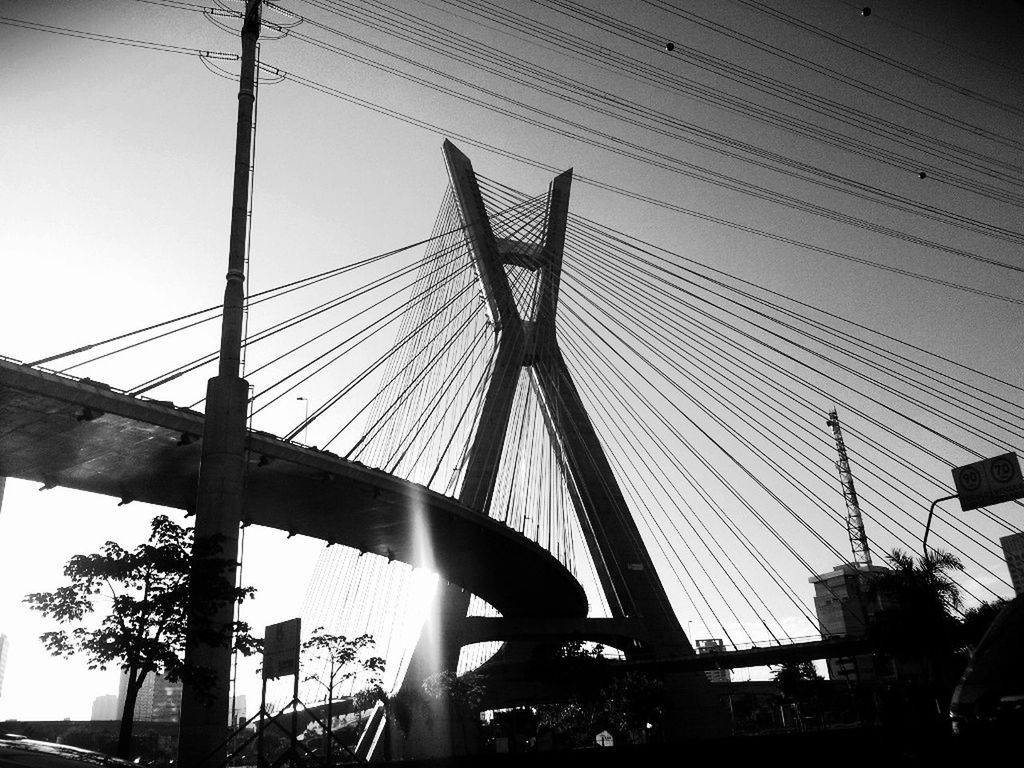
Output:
x=19 y=752
x=989 y=701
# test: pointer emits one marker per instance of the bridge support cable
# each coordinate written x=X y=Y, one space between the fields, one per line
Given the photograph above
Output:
x=820 y=503
x=972 y=558
x=629 y=386
x=788 y=356
x=960 y=390
x=359 y=377
x=640 y=300
x=289 y=323
x=624 y=406
x=730 y=525
x=346 y=345
x=670 y=265
x=630 y=470
x=699 y=341
x=520 y=284
x=625 y=474
x=386 y=404
x=645 y=154
x=752 y=396
x=631 y=365
x=813 y=353
x=348 y=319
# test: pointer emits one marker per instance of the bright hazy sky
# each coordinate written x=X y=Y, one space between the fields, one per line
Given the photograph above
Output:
x=115 y=178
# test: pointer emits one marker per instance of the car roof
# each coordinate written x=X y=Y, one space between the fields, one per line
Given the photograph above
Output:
x=17 y=751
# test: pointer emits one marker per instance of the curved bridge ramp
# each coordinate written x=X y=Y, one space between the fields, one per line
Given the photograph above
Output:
x=81 y=434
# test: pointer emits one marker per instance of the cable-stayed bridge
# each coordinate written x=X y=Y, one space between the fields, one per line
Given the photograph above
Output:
x=503 y=354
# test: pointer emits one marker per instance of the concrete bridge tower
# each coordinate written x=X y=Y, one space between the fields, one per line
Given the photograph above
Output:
x=635 y=595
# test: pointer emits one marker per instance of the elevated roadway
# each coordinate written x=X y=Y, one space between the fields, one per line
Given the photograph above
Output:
x=81 y=434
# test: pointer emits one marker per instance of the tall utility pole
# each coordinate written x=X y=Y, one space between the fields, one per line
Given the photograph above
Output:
x=854 y=521
x=204 y=712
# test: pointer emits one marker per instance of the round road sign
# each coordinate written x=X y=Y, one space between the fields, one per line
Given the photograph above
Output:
x=1002 y=470
x=970 y=478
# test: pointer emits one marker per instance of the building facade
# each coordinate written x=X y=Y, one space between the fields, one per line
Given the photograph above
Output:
x=1013 y=551
x=714 y=645
x=105 y=708
x=3 y=661
x=159 y=699
x=844 y=605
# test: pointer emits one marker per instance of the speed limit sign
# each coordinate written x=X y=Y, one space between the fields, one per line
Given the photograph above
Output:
x=989 y=482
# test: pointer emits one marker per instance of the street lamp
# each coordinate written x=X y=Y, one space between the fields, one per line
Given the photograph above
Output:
x=305 y=421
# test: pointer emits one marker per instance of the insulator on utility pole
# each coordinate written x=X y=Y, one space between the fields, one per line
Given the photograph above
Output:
x=854 y=520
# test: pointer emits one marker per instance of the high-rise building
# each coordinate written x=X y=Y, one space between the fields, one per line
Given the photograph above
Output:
x=105 y=707
x=3 y=661
x=159 y=699
x=710 y=646
x=1013 y=551
x=238 y=713
x=166 y=700
x=845 y=606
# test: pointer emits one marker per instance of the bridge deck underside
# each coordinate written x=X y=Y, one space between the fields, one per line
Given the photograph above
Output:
x=82 y=435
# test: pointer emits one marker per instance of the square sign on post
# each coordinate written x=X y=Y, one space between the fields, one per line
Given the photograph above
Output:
x=988 y=482
x=281 y=649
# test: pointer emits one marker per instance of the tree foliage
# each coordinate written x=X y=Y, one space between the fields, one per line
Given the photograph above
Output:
x=797 y=680
x=917 y=622
x=143 y=597
x=919 y=600
x=465 y=692
x=976 y=622
x=624 y=705
x=337 y=659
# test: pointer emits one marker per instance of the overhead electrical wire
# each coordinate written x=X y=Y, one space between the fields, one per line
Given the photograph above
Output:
x=560 y=39
x=644 y=154
x=863 y=50
x=336 y=93
x=117 y=40
x=514 y=69
x=748 y=76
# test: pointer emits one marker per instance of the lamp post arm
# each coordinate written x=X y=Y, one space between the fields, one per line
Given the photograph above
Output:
x=928 y=525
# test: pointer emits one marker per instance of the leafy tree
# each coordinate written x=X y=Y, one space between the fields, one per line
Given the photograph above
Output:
x=340 y=660
x=796 y=679
x=917 y=621
x=802 y=686
x=601 y=700
x=631 y=703
x=462 y=692
x=146 y=593
x=977 y=620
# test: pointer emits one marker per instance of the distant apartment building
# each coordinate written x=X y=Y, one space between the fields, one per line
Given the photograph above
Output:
x=159 y=699
x=3 y=661
x=711 y=646
x=844 y=606
x=1013 y=551
x=105 y=708
x=237 y=713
